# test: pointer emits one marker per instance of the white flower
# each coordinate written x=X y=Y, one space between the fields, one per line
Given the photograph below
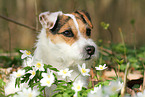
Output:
x=96 y=89
x=46 y=81
x=27 y=93
x=83 y=70
x=39 y=65
x=97 y=92
x=49 y=75
x=101 y=67
x=19 y=73
x=25 y=54
x=28 y=62
x=113 y=88
x=77 y=86
x=140 y=94
x=32 y=72
x=10 y=87
x=65 y=72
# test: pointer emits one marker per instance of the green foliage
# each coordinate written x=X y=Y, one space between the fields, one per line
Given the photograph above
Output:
x=63 y=89
x=135 y=57
x=2 y=84
x=9 y=61
x=104 y=83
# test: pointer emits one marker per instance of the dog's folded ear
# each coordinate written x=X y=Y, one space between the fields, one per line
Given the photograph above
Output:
x=86 y=17
x=48 y=19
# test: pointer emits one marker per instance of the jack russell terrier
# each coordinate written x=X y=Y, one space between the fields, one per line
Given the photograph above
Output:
x=64 y=41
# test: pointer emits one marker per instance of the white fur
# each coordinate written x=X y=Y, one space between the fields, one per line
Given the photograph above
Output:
x=52 y=17
x=62 y=55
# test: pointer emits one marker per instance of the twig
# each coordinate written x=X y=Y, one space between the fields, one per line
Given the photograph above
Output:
x=124 y=82
x=13 y=21
x=104 y=49
x=7 y=54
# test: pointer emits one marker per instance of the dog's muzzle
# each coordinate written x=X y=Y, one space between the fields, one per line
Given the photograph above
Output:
x=90 y=50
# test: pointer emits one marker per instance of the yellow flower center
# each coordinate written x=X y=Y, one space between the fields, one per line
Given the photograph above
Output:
x=38 y=65
x=101 y=67
x=48 y=76
x=114 y=89
x=33 y=72
x=30 y=95
x=18 y=74
x=78 y=87
x=84 y=70
x=28 y=52
x=64 y=71
x=48 y=82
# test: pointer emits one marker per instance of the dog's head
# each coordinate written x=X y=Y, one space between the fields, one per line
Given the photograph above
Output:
x=69 y=34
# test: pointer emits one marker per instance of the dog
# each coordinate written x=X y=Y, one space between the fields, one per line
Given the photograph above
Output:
x=65 y=41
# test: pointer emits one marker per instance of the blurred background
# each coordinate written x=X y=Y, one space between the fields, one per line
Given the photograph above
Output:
x=127 y=15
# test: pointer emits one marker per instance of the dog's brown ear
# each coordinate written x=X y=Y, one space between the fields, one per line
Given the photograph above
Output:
x=48 y=19
x=86 y=17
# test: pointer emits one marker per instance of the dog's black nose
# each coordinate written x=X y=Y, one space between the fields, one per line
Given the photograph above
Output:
x=90 y=50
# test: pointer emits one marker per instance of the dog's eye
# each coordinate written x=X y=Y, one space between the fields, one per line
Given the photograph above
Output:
x=68 y=33
x=88 y=32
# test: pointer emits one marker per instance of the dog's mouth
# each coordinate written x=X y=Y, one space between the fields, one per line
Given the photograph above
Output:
x=88 y=58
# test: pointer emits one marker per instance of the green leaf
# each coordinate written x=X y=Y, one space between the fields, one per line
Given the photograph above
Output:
x=122 y=67
x=27 y=68
x=47 y=66
x=105 y=25
x=2 y=83
x=120 y=61
x=65 y=95
x=18 y=81
x=54 y=69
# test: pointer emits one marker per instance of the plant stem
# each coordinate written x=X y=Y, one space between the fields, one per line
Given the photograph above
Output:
x=122 y=38
x=97 y=75
x=124 y=82
x=77 y=76
x=134 y=36
x=44 y=93
x=116 y=73
x=111 y=35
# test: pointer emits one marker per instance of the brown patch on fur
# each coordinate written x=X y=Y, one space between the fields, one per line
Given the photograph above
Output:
x=67 y=24
x=84 y=16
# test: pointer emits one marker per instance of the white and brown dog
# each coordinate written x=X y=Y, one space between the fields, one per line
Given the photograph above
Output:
x=64 y=41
